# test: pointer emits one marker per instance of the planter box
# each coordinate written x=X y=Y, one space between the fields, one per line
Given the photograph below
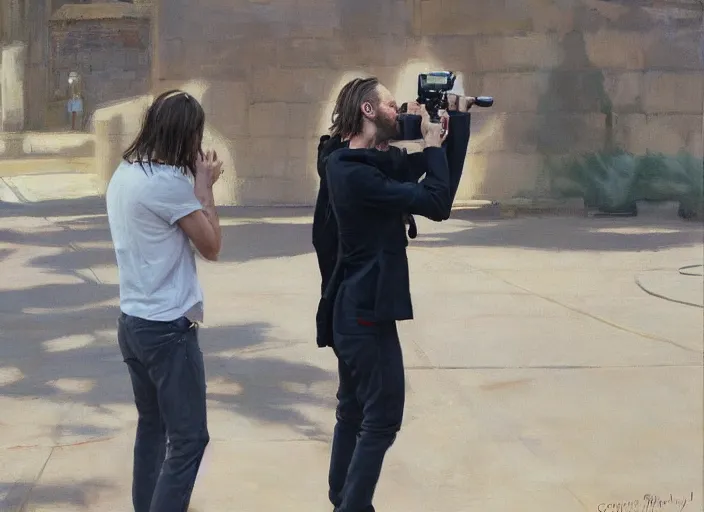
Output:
x=527 y=206
x=658 y=209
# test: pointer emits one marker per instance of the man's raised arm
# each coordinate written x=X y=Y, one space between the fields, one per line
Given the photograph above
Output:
x=455 y=146
x=430 y=198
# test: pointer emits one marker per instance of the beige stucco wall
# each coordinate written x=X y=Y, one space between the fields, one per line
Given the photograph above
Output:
x=567 y=75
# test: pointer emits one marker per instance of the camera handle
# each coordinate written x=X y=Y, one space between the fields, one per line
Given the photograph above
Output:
x=409 y=124
x=479 y=101
x=483 y=101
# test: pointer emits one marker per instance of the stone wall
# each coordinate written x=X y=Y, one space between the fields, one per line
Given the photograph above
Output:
x=108 y=44
x=13 y=60
x=567 y=76
x=25 y=22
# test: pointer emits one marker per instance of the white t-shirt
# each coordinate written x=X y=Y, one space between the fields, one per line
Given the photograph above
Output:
x=155 y=260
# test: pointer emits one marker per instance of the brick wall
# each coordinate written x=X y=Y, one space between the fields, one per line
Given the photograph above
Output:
x=108 y=45
x=567 y=76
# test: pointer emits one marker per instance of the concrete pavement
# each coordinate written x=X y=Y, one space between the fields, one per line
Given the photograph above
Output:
x=540 y=375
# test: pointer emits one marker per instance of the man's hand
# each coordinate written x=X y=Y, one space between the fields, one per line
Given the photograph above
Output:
x=208 y=169
x=434 y=134
x=414 y=108
x=459 y=103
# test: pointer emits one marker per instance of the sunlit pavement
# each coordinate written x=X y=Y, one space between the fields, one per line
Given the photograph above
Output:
x=541 y=376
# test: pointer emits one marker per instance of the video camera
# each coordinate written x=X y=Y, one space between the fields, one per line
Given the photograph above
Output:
x=432 y=92
x=433 y=89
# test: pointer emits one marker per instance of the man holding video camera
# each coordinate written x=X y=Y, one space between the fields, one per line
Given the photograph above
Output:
x=373 y=190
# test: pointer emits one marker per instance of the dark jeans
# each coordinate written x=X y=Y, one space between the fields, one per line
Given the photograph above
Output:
x=168 y=380
x=371 y=398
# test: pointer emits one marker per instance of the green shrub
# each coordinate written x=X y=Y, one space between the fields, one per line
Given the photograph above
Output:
x=615 y=179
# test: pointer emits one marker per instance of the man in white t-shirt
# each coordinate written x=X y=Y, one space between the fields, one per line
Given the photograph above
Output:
x=159 y=201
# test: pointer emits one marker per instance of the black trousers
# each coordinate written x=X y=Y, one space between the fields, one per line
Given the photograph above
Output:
x=371 y=397
x=168 y=379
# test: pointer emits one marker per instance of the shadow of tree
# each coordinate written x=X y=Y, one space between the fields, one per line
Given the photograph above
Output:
x=562 y=234
x=248 y=233
x=73 y=358
x=17 y=495
x=269 y=389
x=92 y=205
x=58 y=338
x=4 y=253
x=256 y=239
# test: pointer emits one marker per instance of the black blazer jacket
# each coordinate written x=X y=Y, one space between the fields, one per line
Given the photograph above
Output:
x=371 y=193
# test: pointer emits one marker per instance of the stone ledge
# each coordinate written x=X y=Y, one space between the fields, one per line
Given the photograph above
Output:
x=101 y=11
x=476 y=209
x=53 y=186
x=511 y=208
x=31 y=166
x=18 y=145
x=525 y=206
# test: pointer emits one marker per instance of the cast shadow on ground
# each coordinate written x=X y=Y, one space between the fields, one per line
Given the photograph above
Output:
x=91 y=205
x=248 y=233
x=19 y=496
x=5 y=253
x=562 y=233
x=73 y=358
x=58 y=339
x=265 y=233
x=258 y=233
x=269 y=389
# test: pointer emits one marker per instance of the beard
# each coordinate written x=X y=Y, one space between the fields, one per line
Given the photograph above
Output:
x=387 y=129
